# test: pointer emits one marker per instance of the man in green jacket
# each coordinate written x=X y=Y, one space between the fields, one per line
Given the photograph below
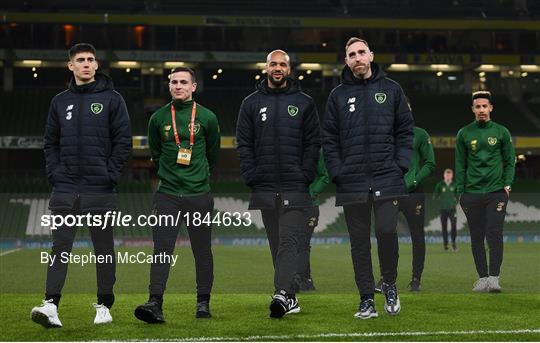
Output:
x=446 y=193
x=412 y=207
x=485 y=161
x=184 y=142
x=303 y=280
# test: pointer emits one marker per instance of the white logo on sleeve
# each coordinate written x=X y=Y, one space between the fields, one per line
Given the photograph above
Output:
x=351 y=102
x=69 y=113
x=262 y=112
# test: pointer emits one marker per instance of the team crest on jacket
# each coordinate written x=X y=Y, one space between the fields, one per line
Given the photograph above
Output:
x=196 y=129
x=492 y=140
x=293 y=110
x=380 y=97
x=96 y=107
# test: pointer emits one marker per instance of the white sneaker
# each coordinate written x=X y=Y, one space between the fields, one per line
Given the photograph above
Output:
x=46 y=315
x=481 y=285
x=103 y=316
x=493 y=284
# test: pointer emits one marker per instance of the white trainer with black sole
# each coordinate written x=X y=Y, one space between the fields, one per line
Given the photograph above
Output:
x=493 y=284
x=46 y=315
x=366 y=310
x=103 y=315
x=481 y=285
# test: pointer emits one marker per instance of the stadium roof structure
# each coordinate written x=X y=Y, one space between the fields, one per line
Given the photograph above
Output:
x=267 y=20
x=477 y=9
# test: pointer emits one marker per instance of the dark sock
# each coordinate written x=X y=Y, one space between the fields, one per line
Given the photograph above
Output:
x=55 y=298
x=203 y=297
x=105 y=299
x=367 y=296
x=156 y=297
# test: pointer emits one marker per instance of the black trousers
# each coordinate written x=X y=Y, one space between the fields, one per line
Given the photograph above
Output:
x=485 y=215
x=103 y=242
x=284 y=227
x=304 y=243
x=445 y=216
x=200 y=236
x=358 y=218
x=413 y=209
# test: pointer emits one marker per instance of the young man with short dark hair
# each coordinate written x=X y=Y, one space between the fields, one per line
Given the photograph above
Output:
x=184 y=142
x=87 y=141
x=485 y=167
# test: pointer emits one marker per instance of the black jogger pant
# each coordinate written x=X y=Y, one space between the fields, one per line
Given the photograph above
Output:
x=304 y=243
x=445 y=216
x=103 y=242
x=413 y=209
x=284 y=227
x=485 y=215
x=358 y=218
x=200 y=236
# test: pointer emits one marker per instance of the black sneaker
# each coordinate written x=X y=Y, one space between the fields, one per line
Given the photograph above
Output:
x=279 y=305
x=392 y=306
x=446 y=248
x=454 y=247
x=150 y=312
x=366 y=310
x=203 y=310
x=414 y=285
x=283 y=304
x=306 y=285
x=379 y=286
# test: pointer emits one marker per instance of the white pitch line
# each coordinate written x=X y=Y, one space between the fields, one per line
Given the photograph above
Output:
x=9 y=252
x=352 y=334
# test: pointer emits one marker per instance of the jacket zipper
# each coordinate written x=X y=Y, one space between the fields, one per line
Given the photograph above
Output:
x=276 y=143
x=79 y=145
x=366 y=136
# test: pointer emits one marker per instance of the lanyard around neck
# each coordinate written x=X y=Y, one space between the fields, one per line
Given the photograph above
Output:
x=191 y=127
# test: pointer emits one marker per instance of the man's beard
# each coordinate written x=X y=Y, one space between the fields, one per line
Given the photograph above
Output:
x=277 y=83
x=359 y=74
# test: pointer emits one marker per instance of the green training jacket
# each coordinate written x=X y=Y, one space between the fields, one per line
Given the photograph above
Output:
x=321 y=180
x=176 y=179
x=422 y=160
x=485 y=158
x=446 y=195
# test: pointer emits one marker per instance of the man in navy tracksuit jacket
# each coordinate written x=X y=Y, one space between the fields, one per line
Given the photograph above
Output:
x=278 y=139
x=87 y=141
x=367 y=143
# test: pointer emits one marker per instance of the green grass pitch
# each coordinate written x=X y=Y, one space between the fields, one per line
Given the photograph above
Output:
x=446 y=309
